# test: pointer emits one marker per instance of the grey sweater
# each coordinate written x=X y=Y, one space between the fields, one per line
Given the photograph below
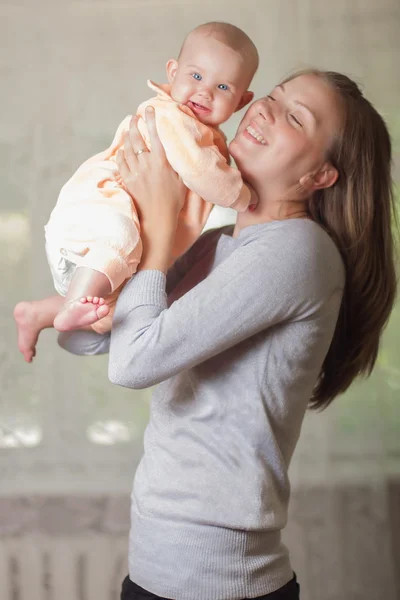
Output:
x=235 y=336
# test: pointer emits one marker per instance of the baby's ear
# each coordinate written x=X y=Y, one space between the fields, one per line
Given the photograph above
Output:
x=245 y=99
x=171 y=68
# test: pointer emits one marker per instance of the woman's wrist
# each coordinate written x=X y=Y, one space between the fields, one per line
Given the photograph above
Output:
x=158 y=241
x=155 y=261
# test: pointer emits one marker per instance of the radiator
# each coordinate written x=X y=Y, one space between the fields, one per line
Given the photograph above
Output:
x=343 y=541
x=38 y=567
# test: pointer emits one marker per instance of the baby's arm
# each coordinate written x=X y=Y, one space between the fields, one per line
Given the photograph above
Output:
x=192 y=152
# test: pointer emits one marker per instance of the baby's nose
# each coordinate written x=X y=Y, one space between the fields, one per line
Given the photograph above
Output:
x=205 y=93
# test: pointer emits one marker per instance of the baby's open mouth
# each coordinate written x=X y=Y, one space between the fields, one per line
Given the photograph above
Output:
x=198 y=107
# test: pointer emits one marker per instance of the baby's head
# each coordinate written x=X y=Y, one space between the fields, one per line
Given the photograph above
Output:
x=214 y=69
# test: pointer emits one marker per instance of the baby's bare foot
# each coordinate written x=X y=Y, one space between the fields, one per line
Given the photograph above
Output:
x=81 y=313
x=28 y=329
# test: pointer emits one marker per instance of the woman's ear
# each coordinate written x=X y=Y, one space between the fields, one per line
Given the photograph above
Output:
x=325 y=177
x=244 y=100
x=171 y=68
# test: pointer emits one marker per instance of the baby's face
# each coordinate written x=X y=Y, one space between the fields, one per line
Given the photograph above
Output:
x=210 y=78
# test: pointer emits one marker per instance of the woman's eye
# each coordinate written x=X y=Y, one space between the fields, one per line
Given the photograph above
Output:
x=223 y=86
x=271 y=98
x=196 y=76
x=295 y=120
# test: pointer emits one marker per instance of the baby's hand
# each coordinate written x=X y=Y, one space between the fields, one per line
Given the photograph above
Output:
x=253 y=200
x=118 y=178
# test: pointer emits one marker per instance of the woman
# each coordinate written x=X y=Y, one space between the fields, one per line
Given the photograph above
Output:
x=249 y=327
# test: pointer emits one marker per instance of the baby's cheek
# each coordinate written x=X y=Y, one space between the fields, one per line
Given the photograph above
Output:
x=225 y=110
x=181 y=92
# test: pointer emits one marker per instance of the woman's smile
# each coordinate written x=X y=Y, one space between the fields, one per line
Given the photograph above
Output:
x=253 y=132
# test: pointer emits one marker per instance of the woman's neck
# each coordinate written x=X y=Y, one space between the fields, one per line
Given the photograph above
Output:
x=271 y=211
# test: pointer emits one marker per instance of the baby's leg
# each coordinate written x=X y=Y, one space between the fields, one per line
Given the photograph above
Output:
x=84 y=303
x=31 y=318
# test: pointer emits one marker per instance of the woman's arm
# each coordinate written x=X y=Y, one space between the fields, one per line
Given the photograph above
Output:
x=269 y=281
x=90 y=343
x=84 y=343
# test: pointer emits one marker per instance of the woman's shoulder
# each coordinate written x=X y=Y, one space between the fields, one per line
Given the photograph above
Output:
x=309 y=237
x=304 y=235
x=298 y=246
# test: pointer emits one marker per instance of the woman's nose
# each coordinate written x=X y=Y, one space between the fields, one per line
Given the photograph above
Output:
x=266 y=111
x=268 y=114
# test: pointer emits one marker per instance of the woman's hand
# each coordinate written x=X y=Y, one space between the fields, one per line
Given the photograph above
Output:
x=158 y=192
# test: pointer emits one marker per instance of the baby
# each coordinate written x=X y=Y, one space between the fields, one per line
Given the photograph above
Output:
x=93 y=240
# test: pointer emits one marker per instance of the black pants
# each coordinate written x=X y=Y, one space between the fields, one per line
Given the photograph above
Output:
x=132 y=591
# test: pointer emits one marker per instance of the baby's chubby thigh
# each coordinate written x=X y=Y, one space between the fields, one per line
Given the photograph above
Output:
x=96 y=225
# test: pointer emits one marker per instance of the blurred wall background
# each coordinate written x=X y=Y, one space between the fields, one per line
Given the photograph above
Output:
x=69 y=441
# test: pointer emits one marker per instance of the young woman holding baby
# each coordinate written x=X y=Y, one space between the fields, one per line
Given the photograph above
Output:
x=253 y=324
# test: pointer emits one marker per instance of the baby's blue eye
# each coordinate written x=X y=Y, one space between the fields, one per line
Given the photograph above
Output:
x=223 y=86
x=197 y=76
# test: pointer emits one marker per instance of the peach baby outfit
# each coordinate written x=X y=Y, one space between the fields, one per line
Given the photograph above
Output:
x=95 y=223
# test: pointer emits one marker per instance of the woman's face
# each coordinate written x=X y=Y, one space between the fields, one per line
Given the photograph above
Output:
x=286 y=135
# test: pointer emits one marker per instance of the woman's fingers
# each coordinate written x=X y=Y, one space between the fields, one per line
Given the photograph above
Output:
x=122 y=165
x=129 y=152
x=156 y=146
x=137 y=143
x=148 y=176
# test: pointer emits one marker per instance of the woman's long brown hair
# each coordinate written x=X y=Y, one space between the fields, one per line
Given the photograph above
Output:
x=358 y=212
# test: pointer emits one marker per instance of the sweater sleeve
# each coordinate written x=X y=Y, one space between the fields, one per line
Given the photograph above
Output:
x=84 y=343
x=260 y=285
x=90 y=343
x=192 y=152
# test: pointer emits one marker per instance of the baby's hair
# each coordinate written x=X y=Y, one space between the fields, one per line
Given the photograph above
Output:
x=231 y=36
